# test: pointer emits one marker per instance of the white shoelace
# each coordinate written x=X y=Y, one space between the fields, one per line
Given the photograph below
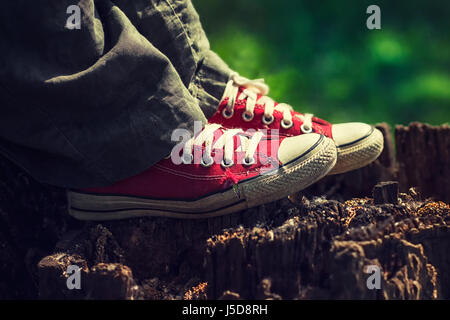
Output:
x=225 y=142
x=251 y=91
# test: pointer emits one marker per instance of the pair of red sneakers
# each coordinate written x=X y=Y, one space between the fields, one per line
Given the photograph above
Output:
x=253 y=151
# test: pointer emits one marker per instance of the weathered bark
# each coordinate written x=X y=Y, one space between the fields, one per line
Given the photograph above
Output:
x=322 y=251
x=301 y=247
x=423 y=154
x=32 y=219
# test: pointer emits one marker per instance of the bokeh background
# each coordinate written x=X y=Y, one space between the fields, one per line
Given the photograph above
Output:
x=320 y=57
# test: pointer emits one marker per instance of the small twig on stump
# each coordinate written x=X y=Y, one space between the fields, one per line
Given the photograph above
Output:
x=386 y=192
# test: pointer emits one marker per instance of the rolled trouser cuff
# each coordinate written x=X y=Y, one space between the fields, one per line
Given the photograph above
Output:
x=209 y=83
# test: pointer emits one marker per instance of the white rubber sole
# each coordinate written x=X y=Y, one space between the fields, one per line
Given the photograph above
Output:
x=359 y=154
x=288 y=179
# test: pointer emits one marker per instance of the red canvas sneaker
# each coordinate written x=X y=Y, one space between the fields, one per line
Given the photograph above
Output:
x=245 y=104
x=218 y=172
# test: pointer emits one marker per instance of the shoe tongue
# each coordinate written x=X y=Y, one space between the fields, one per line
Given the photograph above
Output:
x=258 y=96
x=220 y=132
x=238 y=138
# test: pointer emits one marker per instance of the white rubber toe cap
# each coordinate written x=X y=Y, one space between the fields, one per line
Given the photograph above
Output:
x=350 y=132
x=293 y=147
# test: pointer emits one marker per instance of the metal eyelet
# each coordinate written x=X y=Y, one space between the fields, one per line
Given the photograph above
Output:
x=204 y=164
x=187 y=158
x=226 y=165
x=248 y=162
x=269 y=120
x=287 y=125
x=306 y=129
x=227 y=114
x=248 y=116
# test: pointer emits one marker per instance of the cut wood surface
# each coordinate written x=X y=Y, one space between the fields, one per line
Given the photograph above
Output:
x=319 y=243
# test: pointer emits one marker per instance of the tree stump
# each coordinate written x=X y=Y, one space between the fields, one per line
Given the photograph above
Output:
x=320 y=243
x=423 y=154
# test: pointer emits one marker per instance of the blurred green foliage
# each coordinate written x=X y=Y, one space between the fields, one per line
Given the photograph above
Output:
x=320 y=57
